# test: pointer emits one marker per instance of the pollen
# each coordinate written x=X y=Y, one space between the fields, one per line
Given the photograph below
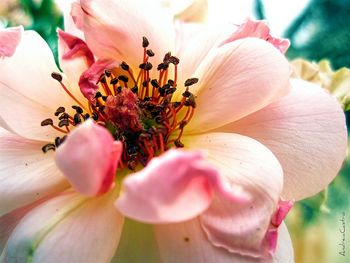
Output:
x=139 y=111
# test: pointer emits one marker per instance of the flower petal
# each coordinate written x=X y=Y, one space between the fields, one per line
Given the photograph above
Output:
x=89 y=158
x=306 y=131
x=9 y=40
x=179 y=176
x=26 y=173
x=239 y=78
x=259 y=29
x=241 y=228
x=28 y=72
x=27 y=123
x=186 y=242
x=114 y=29
x=68 y=228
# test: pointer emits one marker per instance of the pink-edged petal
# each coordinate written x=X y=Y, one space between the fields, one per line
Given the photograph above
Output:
x=23 y=116
x=9 y=40
x=114 y=29
x=306 y=131
x=68 y=228
x=241 y=227
x=75 y=58
x=186 y=242
x=28 y=72
x=89 y=158
x=71 y=24
x=180 y=176
x=237 y=79
x=26 y=173
x=259 y=29
x=88 y=80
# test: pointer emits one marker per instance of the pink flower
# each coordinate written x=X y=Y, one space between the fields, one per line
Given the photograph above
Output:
x=255 y=137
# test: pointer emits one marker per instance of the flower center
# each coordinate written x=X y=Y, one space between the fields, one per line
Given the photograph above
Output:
x=139 y=111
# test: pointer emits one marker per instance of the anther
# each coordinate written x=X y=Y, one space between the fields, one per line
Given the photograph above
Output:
x=47 y=147
x=77 y=118
x=135 y=89
x=170 y=90
x=47 y=122
x=64 y=116
x=98 y=95
x=114 y=81
x=63 y=122
x=94 y=116
x=167 y=57
x=145 y=42
x=186 y=94
x=150 y=53
x=78 y=109
x=123 y=78
x=124 y=66
x=108 y=73
x=154 y=83
x=57 y=141
x=86 y=116
x=174 y=60
x=148 y=66
x=178 y=144
x=59 y=111
x=171 y=82
x=56 y=76
x=191 y=81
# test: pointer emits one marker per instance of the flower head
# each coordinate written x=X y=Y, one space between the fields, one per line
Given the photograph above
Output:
x=196 y=130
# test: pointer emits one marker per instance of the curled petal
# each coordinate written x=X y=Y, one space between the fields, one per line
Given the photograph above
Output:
x=67 y=228
x=165 y=186
x=259 y=29
x=89 y=158
x=235 y=80
x=9 y=40
x=306 y=131
x=88 y=80
x=75 y=47
x=241 y=227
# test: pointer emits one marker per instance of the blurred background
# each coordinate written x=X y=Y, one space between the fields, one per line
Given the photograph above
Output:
x=318 y=30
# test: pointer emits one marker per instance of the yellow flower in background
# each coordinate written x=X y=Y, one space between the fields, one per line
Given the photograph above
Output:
x=336 y=82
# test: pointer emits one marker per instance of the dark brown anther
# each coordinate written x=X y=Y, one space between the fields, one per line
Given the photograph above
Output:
x=94 y=116
x=101 y=109
x=132 y=164
x=77 y=118
x=144 y=83
x=142 y=66
x=86 y=116
x=124 y=66
x=108 y=73
x=77 y=109
x=64 y=116
x=104 y=98
x=150 y=53
x=135 y=89
x=57 y=141
x=148 y=66
x=59 y=111
x=186 y=94
x=123 y=78
x=179 y=144
x=190 y=101
x=63 y=138
x=114 y=81
x=119 y=89
x=47 y=122
x=56 y=76
x=160 y=66
x=98 y=95
x=170 y=90
x=63 y=122
x=47 y=147
x=154 y=83
x=171 y=82
x=191 y=81
x=161 y=91
x=145 y=42
x=167 y=57
x=102 y=79
x=174 y=60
